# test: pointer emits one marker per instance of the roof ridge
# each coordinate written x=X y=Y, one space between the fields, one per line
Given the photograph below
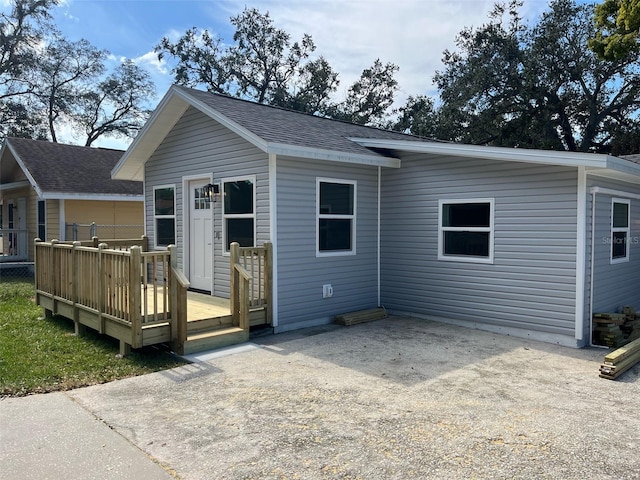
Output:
x=59 y=144
x=310 y=115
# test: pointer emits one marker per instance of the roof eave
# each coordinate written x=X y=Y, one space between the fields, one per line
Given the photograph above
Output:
x=162 y=120
x=5 y=187
x=112 y=197
x=332 y=155
x=22 y=166
x=550 y=157
x=165 y=116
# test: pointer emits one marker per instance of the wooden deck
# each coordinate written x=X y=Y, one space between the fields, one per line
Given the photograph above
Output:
x=202 y=306
x=141 y=297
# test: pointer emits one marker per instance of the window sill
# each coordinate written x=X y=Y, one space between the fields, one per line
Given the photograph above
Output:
x=337 y=253
x=615 y=261
x=460 y=259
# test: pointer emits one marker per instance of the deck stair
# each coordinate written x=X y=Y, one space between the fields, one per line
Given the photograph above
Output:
x=210 y=339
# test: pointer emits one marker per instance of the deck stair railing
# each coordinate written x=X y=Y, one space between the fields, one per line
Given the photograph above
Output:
x=251 y=281
x=120 y=292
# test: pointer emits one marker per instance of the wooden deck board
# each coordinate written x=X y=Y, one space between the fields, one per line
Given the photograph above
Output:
x=199 y=305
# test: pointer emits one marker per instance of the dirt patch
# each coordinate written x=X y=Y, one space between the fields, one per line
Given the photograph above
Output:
x=397 y=398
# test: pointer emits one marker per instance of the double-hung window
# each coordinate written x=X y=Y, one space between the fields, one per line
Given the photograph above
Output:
x=620 y=230
x=239 y=207
x=466 y=230
x=164 y=215
x=336 y=216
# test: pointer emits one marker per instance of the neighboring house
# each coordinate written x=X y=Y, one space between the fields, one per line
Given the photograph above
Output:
x=46 y=187
x=502 y=239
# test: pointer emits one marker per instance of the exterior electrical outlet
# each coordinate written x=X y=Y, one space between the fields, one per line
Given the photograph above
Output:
x=327 y=291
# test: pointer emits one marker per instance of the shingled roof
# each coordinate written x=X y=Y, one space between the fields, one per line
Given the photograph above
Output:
x=281 y=126
x=294 y=134
x=271 y=129
x=58 y=169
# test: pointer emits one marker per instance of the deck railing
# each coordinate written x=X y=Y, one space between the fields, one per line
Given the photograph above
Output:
x=251 y=279
x=115 y=243
x=128 y=287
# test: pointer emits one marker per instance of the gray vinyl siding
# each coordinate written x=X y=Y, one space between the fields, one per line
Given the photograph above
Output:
x=615 y=285
x=532 y=283
x=197 y=145
x=301 y=274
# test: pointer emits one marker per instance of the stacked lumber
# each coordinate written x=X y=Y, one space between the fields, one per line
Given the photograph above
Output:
x=620 y=360
x=616 y=329
x=361 y=316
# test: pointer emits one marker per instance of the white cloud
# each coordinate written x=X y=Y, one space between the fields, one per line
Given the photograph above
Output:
x=413 y=34
x=150 y=61
x=352 y=34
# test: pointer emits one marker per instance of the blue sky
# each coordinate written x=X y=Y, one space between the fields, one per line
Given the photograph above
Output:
x=351 y=34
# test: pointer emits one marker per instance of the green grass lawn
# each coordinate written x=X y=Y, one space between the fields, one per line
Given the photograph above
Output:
x=43 y=355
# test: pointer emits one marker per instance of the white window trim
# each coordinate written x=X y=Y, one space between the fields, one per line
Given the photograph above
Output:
x=252 y=178
x=626 y=230
x=352 y=217
x=155 y=217
x=490 y=230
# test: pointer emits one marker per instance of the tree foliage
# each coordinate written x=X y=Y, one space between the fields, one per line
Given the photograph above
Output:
x=47 y=81
x=64 y=73
x=22 y=28
x=370 y=97
x=537 y=86
x=20 y=32
x=265 y=65
x=618 y=34
x=418 y=116
x=117 y=107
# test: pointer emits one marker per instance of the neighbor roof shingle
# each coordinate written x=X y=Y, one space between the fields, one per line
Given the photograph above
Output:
x=62 y=168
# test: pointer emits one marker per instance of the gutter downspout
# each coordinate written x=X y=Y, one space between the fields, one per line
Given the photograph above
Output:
x=379 y=230
x=593 y=259
x=273 y=227
x=581 y=233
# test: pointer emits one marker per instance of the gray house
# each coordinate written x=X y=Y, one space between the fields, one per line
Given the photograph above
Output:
x=523 y=242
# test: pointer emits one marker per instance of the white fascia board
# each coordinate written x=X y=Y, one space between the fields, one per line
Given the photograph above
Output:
x=549 y=157
x=332 y=155
x=615 y=193
x=91 y=196
x=26 y=171
x=623 y=166
x=14 y=185
x=614 y=175
x=226 y=122
x=162 y=120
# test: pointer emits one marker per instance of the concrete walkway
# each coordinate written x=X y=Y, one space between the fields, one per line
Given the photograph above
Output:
x=50 y=436
x=398 y=398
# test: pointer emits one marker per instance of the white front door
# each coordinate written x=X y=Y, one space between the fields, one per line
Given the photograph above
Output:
x=200 y=237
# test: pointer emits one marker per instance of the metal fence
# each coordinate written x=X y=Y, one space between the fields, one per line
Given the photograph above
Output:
x=16 y=271
x=86 y=231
